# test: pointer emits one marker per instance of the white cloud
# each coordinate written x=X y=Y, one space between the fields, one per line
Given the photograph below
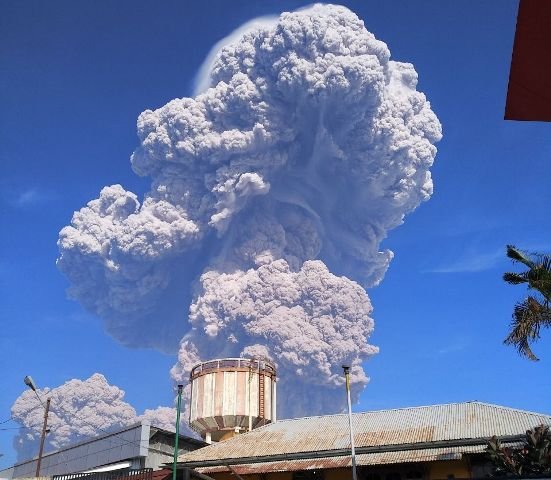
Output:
x=472 y=262
x=27 y=197
x=24 y=198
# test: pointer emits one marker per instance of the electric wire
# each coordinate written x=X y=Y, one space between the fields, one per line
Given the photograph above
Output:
x=18 y=428
x=39 y=399
x=12 y=418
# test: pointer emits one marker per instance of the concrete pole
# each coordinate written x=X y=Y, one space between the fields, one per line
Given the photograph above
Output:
x=352 y=448
x=43 y=436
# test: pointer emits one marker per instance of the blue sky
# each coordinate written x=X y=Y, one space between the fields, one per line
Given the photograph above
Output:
x=75 y=77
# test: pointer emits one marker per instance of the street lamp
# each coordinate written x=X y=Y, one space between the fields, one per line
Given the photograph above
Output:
x=30 y=383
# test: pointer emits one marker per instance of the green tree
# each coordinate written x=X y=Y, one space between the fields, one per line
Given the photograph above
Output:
x=534 y=312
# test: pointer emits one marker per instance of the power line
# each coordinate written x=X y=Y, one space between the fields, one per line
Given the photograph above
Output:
x=12 y=418
x=39 y=399
x=24 y=427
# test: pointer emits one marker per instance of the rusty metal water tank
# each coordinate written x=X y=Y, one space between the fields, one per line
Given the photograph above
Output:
x=231 y=395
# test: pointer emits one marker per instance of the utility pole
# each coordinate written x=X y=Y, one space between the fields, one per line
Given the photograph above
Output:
x=177 y=436
x=352 y=448
x=43 y=436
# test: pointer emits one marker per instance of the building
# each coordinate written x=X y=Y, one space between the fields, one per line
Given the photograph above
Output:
x=137 y=447
x=438 y=442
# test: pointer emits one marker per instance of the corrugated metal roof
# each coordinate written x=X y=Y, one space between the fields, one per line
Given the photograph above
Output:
x=470 y=420
x=410 y=456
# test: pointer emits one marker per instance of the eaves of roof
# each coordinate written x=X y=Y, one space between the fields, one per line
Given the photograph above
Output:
x=461 y=445
x=364 y=459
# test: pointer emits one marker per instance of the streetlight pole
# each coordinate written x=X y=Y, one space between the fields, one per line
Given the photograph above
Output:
x=180 y=388
x=30 y=383
x=352 y=447
x=43 y=436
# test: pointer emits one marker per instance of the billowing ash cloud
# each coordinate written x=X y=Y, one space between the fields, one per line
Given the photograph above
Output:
x=79 y=409
x=271 y=193
x=309 y=321
x=163 y=417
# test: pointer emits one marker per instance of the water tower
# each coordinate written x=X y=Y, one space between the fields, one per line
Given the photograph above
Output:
x=231 y=395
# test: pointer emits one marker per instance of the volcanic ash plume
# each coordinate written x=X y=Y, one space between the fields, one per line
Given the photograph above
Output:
x=271 y=193
x=165 y=418
x=79 y=409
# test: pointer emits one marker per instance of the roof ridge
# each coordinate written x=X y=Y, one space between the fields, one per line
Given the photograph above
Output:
x=372 y=411
x=503 y=407
x=418 y=407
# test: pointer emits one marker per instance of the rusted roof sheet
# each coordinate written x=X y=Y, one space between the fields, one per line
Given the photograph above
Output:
x=470 y=420
x=411 y=456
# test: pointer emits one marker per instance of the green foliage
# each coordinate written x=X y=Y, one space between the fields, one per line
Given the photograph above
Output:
x=533 y=458
x=533 y=312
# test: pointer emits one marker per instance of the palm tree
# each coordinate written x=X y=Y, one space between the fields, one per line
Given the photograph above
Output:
x=535 y=311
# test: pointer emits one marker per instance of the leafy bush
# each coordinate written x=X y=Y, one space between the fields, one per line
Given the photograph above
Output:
x=533 y=458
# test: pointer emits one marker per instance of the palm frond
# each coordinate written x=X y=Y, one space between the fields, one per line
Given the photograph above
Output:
x=525 y=327
x=534 y=312
x=515 y=278
x=519 y=256
x=540 y=276
x=545 y=261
